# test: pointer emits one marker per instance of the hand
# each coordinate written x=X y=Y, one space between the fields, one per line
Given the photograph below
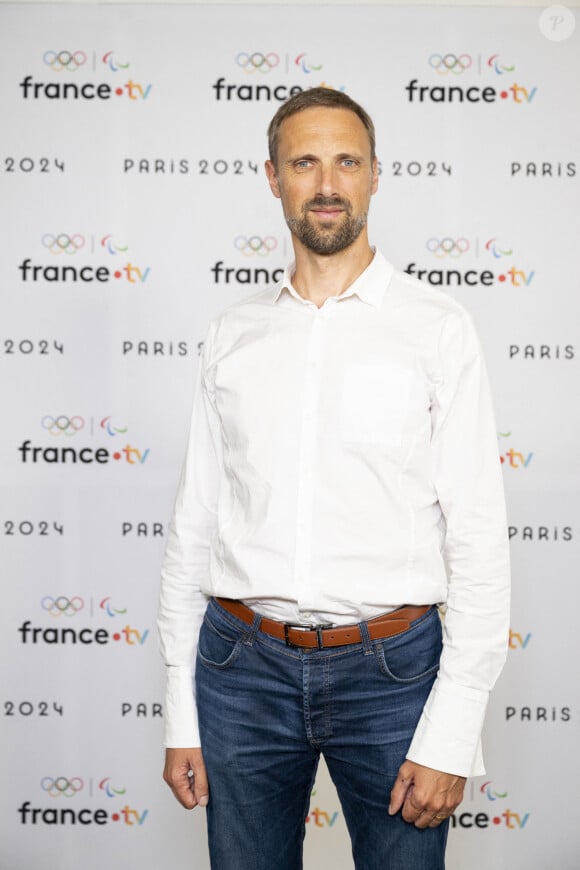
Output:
x=427 y=796
x=190 y=790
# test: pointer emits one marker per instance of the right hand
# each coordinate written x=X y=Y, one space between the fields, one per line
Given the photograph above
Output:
x=190 y=790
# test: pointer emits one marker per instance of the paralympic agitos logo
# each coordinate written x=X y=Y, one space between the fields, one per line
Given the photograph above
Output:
x=69 y=70
x=66 y=615
x=66 y=792
x=66 y=249
x=66 y=426
x=452 y=72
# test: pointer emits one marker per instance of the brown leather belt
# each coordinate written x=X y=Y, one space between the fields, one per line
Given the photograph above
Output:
x=320 y=637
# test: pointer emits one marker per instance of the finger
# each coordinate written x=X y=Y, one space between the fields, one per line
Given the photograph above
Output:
x=199 y=784
x=412 y=808
x=181 y=785
x=427 y=820
x=437 y=820
x=399 y=793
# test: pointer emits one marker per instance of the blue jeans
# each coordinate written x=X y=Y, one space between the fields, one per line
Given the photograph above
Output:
x=267 y=711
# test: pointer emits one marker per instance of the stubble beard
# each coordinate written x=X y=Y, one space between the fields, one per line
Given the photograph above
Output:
x=328 y=240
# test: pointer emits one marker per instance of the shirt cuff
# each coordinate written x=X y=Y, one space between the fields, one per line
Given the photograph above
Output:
x=448 y=736
x=181 y=727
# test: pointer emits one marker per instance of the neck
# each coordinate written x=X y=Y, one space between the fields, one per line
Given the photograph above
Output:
x=318 y=276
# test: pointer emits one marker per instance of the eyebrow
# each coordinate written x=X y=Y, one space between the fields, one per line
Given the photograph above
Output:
x=344 y=155
x=302 y=157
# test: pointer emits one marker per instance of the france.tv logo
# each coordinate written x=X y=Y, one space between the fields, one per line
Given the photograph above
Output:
x=66 y=611
x=64 y=246
x=452 y=67
x=66 y=426
x=67 y=65
x=68 y=791
x=449 y=250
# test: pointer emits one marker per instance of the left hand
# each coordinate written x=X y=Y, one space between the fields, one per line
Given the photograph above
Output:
x=427 y=796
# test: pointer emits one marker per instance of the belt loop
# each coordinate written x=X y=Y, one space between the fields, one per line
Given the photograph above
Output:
x=365 y=638
x=253 y=629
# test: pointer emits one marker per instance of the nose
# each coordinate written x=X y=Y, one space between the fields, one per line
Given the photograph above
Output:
x=327 y=179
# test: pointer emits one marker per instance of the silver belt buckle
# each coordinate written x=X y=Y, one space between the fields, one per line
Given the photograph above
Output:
x=317 y=628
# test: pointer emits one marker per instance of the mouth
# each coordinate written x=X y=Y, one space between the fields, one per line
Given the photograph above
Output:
x=327 y=212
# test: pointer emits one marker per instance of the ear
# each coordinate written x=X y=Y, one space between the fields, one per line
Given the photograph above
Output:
x=375 y=176
x=272 y=178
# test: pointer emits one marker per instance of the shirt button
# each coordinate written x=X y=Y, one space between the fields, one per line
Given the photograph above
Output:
x=306 y=614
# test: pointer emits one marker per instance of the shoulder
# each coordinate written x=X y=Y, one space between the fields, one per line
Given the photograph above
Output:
x=225 y=327
x=425 y=298
x=249 y=307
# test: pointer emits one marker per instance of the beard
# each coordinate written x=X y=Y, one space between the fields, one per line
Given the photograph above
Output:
x=330 y=239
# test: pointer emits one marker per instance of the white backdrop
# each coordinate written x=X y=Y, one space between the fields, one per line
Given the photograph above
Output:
x=135 y=208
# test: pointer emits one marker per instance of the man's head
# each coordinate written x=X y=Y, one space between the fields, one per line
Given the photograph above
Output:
x=317 y=98
x=323 y=168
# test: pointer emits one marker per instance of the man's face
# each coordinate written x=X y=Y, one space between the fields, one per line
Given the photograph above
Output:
x=324 y=176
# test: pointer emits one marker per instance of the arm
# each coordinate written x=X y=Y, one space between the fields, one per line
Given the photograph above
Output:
x=468 y=480
x=182 y=603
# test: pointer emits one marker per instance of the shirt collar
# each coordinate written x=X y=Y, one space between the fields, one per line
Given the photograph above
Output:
x=370 y=286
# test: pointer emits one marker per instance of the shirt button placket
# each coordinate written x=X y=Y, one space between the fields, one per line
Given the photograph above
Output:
x=305 y=593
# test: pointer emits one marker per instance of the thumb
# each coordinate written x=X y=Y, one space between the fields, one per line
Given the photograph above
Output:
x=403 y=785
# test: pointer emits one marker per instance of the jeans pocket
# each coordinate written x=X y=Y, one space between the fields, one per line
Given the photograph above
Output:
x=218 y=646
x=413 y=655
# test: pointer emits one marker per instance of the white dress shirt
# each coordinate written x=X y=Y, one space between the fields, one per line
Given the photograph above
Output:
x=342 y=462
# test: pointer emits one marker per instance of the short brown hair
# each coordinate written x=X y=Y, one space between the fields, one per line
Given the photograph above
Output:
x=317 y=97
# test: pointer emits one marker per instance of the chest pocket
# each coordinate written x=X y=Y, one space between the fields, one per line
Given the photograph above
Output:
x=375 y=400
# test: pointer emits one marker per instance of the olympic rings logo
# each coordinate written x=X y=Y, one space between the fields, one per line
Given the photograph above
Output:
x=455 y=63
x=62 y=606
x=447 y=247
x=62 y=425
x=255 y=245
x=69 y=60
x=61 y=786
x=63 y=243
x=257 y=61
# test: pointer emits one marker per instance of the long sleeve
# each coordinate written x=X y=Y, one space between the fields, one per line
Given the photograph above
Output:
x=468 y=480
x=182 y=603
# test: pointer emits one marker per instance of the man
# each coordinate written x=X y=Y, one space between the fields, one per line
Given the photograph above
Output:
x=341 y=480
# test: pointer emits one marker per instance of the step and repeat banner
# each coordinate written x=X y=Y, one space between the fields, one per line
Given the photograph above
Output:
x=134 y=208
